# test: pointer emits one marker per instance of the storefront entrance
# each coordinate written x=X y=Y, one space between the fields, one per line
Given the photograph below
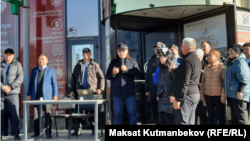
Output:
x=140 y=33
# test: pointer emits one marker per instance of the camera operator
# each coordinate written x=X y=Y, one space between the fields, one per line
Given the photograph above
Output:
x=150 y=88
x=164 y=86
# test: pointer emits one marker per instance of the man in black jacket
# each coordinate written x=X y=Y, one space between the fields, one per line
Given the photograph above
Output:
x=121 y=72
x=186 y=91
x=87 y=74
x=150 y=88
x=11 y=80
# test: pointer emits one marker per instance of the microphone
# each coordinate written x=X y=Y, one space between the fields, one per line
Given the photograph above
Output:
x=122 y=62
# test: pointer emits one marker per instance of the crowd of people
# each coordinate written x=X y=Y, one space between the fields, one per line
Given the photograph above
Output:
x=181 y=91
x=199 y=86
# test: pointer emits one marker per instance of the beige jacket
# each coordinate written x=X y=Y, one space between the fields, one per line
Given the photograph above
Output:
x=212 y=80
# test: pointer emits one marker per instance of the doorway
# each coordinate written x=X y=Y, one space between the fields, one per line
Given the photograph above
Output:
x=74 y=49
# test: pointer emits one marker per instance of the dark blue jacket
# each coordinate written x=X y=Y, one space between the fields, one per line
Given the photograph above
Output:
x=122 y=84
x=50 y=88
x=238 y=72
x=153 y=63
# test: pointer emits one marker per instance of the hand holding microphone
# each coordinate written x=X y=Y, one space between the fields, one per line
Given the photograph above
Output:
x=123 y=67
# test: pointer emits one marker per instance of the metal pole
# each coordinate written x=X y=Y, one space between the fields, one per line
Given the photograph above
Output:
x=26 y=54
x=0 y=124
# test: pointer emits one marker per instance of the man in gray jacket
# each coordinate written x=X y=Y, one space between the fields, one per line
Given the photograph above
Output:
x=11 y=80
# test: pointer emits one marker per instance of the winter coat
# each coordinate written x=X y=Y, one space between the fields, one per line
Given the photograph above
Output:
x=153 y=63
x=164 y=91
x=15 y=77
x=122 y=84
x=212 y=80
x=95 y=76
x=236 y=73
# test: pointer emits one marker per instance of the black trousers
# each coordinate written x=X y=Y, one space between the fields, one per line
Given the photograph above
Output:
x=186 y=114
x=154 y=104
x=48 y=121
x=239 y=110
x=166 y=118
x=216 y=110
x=201 y=112
x=10 y=111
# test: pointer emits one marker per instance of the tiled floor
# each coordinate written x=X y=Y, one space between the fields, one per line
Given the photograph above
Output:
x=62 y=136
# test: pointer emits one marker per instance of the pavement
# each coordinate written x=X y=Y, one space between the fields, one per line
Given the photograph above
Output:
x=62 y=136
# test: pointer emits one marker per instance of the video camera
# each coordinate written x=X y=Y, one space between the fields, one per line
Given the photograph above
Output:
x=167 y=53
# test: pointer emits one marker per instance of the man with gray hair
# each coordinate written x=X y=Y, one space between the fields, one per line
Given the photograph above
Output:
x=186 y=91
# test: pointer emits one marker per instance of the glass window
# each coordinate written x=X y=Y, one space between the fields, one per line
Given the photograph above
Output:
x=212 y=29
x=82 y=18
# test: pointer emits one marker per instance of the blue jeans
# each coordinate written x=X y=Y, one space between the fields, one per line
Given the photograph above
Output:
x=118 y=105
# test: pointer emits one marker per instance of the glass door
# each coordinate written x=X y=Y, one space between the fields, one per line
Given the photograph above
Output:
x=75 y=54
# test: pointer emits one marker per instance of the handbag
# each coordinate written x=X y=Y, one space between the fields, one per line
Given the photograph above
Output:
x=90 y=107
x=66 y=106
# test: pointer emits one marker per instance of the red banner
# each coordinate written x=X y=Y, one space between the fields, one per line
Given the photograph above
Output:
x=47 y=36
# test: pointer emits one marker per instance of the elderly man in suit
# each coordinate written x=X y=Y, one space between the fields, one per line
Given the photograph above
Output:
x=43 y=84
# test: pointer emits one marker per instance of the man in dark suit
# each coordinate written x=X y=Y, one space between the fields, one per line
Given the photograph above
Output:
x=43 y=84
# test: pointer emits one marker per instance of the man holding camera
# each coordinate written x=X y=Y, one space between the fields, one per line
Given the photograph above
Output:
x=150 y=88
x=186 y=91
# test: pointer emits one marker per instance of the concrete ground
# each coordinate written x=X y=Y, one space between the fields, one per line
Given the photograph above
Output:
x=62 y=136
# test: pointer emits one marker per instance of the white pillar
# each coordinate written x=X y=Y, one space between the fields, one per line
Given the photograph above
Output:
x=26 y=54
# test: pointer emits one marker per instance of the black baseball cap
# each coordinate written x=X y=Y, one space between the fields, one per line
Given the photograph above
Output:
x=237 y=48
x=9 y=50
x=123 y=46
x=86 y=50
x=160 y=45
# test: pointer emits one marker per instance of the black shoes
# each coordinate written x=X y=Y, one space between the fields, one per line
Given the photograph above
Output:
x=74 y=134
x=48 y=136
x=17 y=137
x=35 y=136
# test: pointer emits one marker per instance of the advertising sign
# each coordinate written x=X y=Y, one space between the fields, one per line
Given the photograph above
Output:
x=211 y=29
x=47 y=36
x=243 y=26
x=9 y=29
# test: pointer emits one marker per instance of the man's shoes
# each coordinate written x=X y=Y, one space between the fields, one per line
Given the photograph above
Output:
x=74 y=134
x=5 y=134
x=48 y=136
x=34 y=136
x=17 y=137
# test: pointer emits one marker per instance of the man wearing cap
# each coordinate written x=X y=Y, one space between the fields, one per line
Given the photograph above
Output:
x=121 y=72
x=150 y=88
x=11 y=80
x=87 y=74
x=237 y=85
